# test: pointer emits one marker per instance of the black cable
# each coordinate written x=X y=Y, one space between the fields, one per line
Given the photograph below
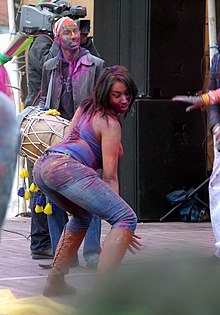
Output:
x=13 y=232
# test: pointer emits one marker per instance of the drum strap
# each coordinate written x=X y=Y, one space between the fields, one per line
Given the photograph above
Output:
x=28 y=109
x=47 y=104
x=24 y=113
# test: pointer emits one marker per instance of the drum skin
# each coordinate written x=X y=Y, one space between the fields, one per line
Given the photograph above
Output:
x=39 y=131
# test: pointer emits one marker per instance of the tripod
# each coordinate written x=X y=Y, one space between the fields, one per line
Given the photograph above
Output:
x=188 y=197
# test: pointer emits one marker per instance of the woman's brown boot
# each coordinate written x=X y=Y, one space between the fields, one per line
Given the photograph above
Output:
x=67 y=248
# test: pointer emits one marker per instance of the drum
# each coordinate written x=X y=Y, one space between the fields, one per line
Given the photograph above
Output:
x=39 y=131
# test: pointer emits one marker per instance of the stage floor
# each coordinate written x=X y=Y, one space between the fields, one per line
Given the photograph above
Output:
x=22 y=275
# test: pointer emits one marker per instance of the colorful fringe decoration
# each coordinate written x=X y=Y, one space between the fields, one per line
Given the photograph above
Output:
x=33 y=188
x=24 y=173
x=22 y=191
x=19 y=44
x=39 y=205
x=48 y=209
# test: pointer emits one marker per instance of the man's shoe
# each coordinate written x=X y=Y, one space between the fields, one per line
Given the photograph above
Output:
x=45 y=266
x=46 y=254
x=75 y=263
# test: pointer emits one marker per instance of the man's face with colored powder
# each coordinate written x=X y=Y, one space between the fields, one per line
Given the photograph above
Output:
x=69 y=37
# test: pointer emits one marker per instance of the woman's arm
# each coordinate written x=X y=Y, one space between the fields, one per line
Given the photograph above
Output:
x=111 y=145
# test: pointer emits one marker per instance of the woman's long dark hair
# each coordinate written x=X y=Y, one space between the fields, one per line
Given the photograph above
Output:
x=99 y=100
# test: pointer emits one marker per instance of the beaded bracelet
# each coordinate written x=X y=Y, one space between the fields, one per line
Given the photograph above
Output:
x=206 y=99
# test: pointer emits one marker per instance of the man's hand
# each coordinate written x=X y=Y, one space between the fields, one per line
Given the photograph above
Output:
x=196 y=101
x=135 y=245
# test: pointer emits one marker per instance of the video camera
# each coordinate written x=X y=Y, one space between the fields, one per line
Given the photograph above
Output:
x=40 y=18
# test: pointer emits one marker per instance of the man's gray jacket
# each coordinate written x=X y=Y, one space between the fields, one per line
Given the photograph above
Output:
x=86 y=71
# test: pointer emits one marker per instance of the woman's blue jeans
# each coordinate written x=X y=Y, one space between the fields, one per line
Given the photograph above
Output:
x=78 y=189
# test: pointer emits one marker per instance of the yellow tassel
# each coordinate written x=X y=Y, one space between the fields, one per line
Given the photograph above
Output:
x=26 y=195
x=39 y=209
x=33 y=188
x=24 y=173
x=48 y=209
x=53 y=112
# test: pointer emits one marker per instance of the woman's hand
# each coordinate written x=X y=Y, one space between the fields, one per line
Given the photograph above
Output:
x=135 y=245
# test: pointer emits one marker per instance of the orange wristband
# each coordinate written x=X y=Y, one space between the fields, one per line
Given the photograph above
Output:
x=206 y=99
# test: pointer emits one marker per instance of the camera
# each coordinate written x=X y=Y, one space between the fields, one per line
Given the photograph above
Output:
x=40 y=18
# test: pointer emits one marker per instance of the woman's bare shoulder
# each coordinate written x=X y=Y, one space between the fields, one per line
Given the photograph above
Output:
x=106 y=121
x=106 y=125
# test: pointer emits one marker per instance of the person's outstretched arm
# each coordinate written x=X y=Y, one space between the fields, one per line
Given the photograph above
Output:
x=199 y=102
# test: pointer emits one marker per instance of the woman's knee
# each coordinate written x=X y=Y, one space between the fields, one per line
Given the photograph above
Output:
x=128 y=221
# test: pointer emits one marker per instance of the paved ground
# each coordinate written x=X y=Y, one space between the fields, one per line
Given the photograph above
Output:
x=161 y=240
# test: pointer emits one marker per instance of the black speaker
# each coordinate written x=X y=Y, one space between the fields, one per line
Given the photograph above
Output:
x=161 y=42
x=107 y=30
x=176 y=47
x=163 y=152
